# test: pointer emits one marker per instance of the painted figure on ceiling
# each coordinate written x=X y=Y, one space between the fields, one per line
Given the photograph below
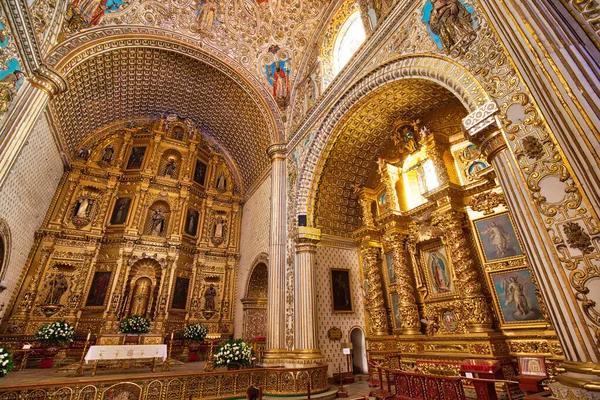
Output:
x=278 y=76
x=207 y=15
x=450 y=20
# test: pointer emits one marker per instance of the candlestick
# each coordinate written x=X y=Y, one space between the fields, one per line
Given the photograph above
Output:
x=171 y=335
x=88 y=336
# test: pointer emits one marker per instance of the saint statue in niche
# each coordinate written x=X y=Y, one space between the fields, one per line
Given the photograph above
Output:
x=170 y=168
x=209 y=297
x=222 y=183
x=83 y=153
x=219 y=228
x=191 y=224
x=57 y=288
x=451 y=21
x=157 y=223
x=82 y=208
x=108 y=153
x=178 y=133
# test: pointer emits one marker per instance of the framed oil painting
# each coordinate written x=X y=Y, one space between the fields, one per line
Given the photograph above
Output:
x=514 y=293
x=199 y=172
x=340 y=290
x=396 y=310
x=180 y=294
x=136 y=157
x=389 y=263
x=98 y=289
x=438 y=270
x=119 y=214
x=497 y=238
x=191 y=222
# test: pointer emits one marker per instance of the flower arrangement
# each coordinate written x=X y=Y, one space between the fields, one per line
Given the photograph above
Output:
x=59 y=332
x=195 y=332
x=134 y=325
x=6 y=362
x=233 y=353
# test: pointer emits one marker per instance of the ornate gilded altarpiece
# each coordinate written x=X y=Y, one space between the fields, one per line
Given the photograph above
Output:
x=145 y=222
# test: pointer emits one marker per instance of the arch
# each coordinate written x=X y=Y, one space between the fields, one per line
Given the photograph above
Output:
x=5 y=248
x=257 y=281
x=85 y=45
x=254 y=303
x=437 y=69
x=356 y=336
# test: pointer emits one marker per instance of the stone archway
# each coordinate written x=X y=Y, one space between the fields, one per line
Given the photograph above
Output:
x=442 y=71
x=255 y=303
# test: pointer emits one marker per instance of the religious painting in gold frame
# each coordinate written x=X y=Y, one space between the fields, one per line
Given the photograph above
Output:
x=136 y=157
x=438 y=270
x=497 y=239
x=515 y=298
x=99 y=288
x=341 y=295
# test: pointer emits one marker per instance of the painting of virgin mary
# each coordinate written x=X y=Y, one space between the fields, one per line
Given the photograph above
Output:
x=439 y=272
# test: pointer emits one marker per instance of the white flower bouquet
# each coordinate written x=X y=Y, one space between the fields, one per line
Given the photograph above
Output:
x=134 y=325
x=233 y=353
x=195 y=332
x=59 y=332
x=6 y=362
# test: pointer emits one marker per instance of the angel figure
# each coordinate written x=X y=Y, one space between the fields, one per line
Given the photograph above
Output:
x=431 y=325
x=514 y=294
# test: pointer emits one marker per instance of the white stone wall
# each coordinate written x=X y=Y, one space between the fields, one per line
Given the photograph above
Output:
x=328 y=257
x=256 y=220
x=26 y=196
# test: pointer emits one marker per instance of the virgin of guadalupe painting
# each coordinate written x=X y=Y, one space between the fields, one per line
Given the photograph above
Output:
x=278 y=77
x=136 y=158
x=340 y=290
x=98 y=289
x=515 y=293
x=180 y=294
x=389 y=263
x=119 y=214
x=438 y=270
x=199 y=172
x=498 y=238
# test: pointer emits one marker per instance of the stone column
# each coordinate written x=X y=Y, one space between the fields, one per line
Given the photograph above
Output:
x=275 y=348
x=306 y=342
x=39 y=88
x=556 y=241
x=405 y=285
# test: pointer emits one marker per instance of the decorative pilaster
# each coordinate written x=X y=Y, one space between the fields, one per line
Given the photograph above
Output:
x=554 y=236
x=453 y=223
x=405 y=285
x=305 y=295
x=275 y=348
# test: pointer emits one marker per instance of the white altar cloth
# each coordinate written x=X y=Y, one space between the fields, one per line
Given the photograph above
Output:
x=131 y=352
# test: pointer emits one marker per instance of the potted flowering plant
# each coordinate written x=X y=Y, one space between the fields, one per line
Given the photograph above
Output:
x=194 y=333
x=233 y=354
x=134 y=325
x=6 y=362
x=54 y=336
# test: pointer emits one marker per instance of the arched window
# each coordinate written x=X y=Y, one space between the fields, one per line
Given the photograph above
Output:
x=349 y=39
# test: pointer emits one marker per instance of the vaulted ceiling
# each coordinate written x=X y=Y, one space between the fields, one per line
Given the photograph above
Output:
x=130 y=83
x=360 y=137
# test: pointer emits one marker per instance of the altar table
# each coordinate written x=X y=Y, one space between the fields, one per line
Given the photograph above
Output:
x=107 y=353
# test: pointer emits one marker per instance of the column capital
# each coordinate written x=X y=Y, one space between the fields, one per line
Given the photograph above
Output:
x=307 y=235
x=277 y=151
x=48 y=80
x=482 y=128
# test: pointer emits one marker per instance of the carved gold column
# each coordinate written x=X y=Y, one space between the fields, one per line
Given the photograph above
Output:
x=277 y=252
x=40 y=86
x=559 y=262
x=306 y=344
x=468 y=279
x=405 y=285
x=370 y=252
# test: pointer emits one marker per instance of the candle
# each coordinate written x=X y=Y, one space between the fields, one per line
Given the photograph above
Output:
x=171 y=335
x=88 y=336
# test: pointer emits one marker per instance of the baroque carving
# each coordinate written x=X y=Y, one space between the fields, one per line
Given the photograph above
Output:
x=487 y=201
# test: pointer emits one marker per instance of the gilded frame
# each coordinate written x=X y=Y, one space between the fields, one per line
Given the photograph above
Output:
x=483 y=247
x=91 y=286
x=127 y=217
x=332 y=272
x=426 y=255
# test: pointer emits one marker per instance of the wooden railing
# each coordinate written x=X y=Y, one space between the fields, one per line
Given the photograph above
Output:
x=213 y=385
x=402 y=385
